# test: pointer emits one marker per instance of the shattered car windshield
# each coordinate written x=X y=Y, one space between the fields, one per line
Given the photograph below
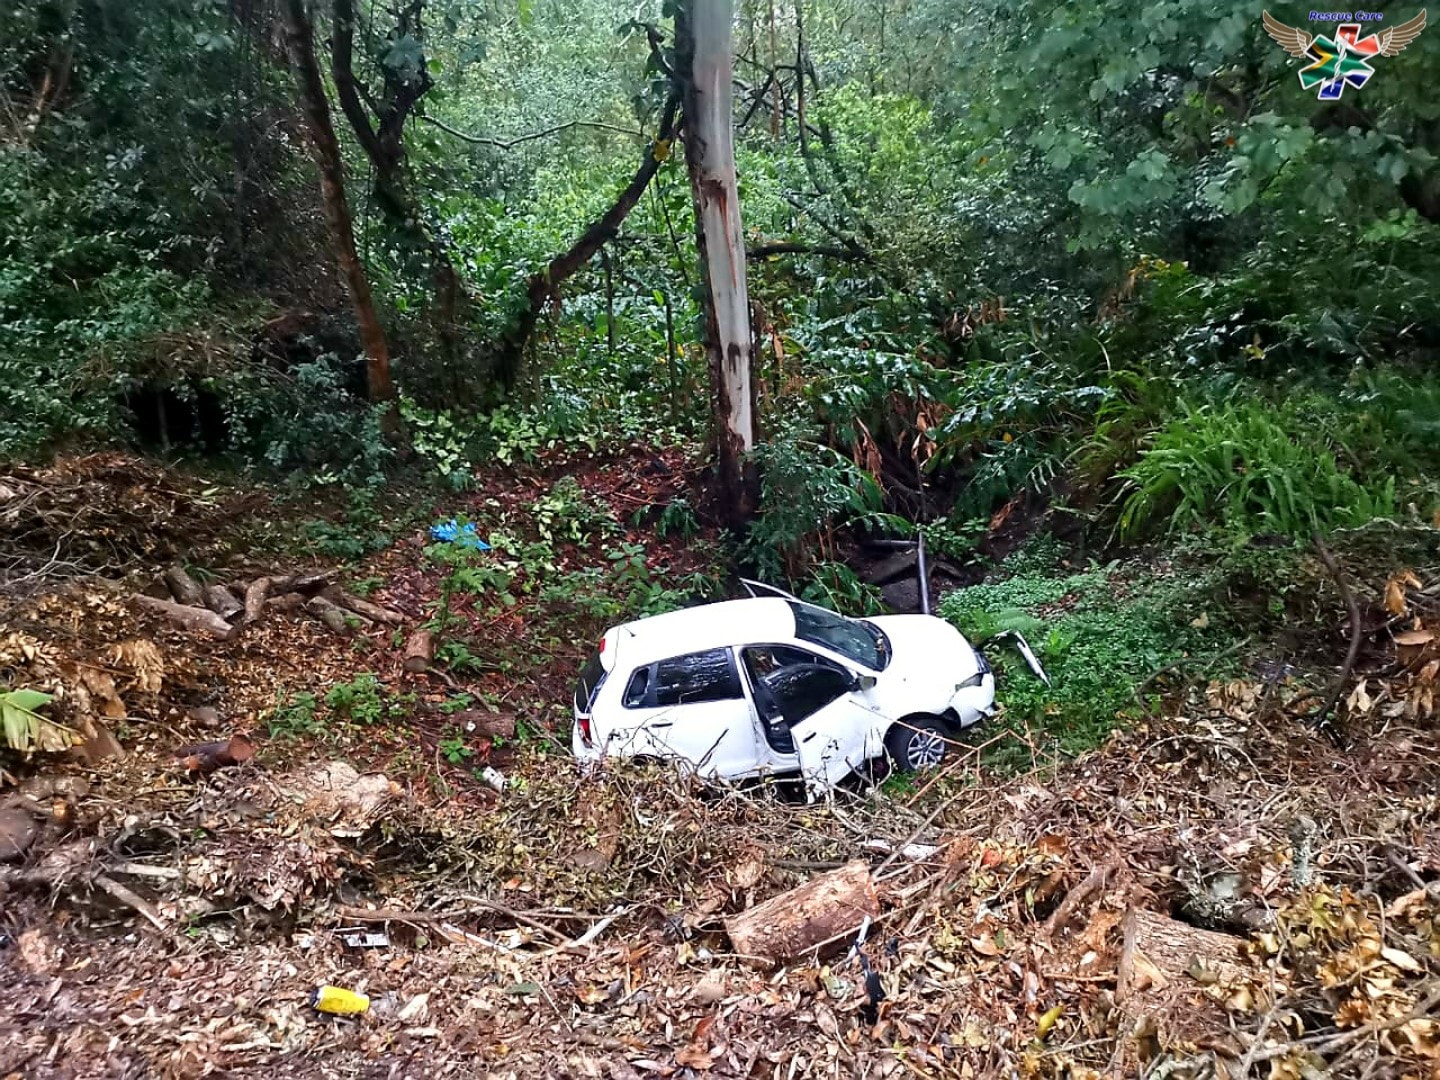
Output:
x=860 y=641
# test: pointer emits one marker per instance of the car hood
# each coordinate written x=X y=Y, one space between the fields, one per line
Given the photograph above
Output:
x=925 y=652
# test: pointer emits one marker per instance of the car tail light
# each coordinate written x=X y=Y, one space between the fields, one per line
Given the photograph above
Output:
x=584 y=723
x=602 y=645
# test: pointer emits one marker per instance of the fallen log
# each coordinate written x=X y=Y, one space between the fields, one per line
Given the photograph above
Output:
x=419 y=651
x=336 y=618
x=821 y=911
x=197 y=620
x=206 y=757
x=184 y=588
x=222 y=601
x=287 y=603
x=360 y=606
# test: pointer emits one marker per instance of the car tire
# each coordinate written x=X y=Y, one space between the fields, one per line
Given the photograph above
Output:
x=917 y=743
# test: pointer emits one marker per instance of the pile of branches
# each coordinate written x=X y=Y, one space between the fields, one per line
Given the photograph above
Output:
x=99 y=514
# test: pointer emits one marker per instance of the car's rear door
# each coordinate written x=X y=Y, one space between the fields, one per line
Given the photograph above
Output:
x=692 y=708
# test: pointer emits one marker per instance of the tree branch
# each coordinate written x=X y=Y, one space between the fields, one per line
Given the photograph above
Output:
x=342 y=70
x=544 y=283
x=763 y=251
x=507 y=144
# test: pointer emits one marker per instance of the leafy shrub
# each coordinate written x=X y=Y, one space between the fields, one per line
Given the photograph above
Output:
x=1249 y=469
x=1099 y=633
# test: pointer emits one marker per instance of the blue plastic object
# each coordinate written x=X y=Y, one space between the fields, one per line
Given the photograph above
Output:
x=452 y=532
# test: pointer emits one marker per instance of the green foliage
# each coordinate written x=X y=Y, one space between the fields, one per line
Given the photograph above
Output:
x=566 y=514
x=835 y=586
x=1242 y=467
x=1100 y=634
x=295 y=716
x=359 y=701
x=24 y=729
x=361 y=532
x=807 y=487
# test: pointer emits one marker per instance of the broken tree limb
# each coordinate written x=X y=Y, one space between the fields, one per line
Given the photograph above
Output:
x=208 y=756
x=131 y=900
x=360 y=606
x=222 y=601
x=1352 y=609
x=1094 y=882
x=336 y=618
x=419 y=651
x=197 y=620
x=823 y=909
x=184 y=588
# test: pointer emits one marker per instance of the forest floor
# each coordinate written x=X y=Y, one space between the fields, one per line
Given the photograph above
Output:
x=1223 y=889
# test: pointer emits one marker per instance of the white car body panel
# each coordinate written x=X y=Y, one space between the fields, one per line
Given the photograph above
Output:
x=727 y=739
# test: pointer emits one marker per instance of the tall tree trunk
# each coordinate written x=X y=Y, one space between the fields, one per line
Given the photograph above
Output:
x=703 y=62
x=300 y=41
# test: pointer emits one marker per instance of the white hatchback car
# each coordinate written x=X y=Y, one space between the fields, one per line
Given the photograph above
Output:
x=772 y=685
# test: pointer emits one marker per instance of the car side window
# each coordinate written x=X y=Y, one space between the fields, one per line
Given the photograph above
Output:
x=639 y=688
x=685 y=680
x=802 y=690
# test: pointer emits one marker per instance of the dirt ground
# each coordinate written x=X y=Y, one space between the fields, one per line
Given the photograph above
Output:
x=1224 y=891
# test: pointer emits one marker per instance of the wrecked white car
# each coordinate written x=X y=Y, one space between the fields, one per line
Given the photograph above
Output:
x=772 y=685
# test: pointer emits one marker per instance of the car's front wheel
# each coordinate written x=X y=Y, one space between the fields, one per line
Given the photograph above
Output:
x=917 y=743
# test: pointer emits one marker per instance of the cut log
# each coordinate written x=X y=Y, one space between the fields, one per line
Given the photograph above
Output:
x=419 y=651
x=1160 y=951
x=820 y=912
x=361 y=606
x=336 y=618
x=222 y=601
x=197 y=620
x=483 y=722
x=184 y=588
x=207 y=757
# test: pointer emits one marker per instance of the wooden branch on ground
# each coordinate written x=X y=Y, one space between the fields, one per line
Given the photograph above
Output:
x=373 y=612
x=1353 y=610
x=222 y=601
x=1094 y=882
x=184 y=588
x=336 y=618
x=197 y=620
x=131 y=900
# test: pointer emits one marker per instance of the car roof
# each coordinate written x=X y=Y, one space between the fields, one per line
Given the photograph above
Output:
x=708 y=626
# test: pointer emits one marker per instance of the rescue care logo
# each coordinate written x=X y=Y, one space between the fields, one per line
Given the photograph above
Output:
x=1340 y=61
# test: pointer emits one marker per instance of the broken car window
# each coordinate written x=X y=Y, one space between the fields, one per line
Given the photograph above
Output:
x=863 y=642
x=591 y=676
x=802 y=690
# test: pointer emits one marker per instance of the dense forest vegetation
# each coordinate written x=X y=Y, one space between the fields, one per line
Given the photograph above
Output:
x=1000 y=258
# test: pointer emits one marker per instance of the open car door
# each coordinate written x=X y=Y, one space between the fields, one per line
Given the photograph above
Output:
x=832 y=731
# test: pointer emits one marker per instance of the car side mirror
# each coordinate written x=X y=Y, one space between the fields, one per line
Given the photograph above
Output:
x=861 y=682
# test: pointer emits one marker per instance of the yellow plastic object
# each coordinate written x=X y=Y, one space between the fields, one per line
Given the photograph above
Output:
x=334 y=1000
